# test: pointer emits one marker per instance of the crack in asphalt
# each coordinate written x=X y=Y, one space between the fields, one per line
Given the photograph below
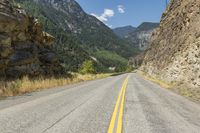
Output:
x=56 y=122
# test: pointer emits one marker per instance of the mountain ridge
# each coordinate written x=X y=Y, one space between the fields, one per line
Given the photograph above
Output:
x=123 y=31
x=138 y=37
x=142 y=34
x=88 y=32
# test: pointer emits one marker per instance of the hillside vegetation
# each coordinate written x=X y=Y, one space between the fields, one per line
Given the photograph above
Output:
x=78 y=35
x=42 y=44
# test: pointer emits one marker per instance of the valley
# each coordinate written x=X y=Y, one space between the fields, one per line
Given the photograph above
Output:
x=77 y=66
x=80 y=33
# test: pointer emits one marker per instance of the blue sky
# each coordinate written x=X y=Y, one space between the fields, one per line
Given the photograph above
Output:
x=116 y=13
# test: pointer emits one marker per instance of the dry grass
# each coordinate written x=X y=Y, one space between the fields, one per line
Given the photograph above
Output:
x=156 y=80
x=181 y=89
x=25 y=85
x=191 y=93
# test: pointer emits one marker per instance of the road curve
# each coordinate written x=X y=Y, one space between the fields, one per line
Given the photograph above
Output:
x=88 y=108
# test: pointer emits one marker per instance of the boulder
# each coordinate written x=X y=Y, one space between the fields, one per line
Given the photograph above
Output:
x=5 y=40
x=19 y=71
x=21 y=36
x=48 y=57
x=5 y=51
x=3 y=63
x=24 y=46
x=48 y=39
x=21 y=58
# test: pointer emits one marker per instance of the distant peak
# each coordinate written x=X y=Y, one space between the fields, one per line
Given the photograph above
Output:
x=147 y=26
x=128 y=26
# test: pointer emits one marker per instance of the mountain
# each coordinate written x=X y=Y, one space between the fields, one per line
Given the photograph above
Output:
x=72 y=27
x=174 y=53
x=145 y=26
x=140 y=37
x=24 y=48
x=123 y=32
x=68 y=48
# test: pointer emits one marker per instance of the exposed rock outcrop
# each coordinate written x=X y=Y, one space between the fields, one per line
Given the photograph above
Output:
x=24 y=48
x=142 y=34
x=137 y=61
x=174 y=55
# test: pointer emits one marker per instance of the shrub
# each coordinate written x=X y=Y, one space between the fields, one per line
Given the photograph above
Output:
x=129 y=68
x=120 y=69
x=87 y=67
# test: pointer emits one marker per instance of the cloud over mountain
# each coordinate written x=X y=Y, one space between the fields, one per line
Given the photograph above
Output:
x=108 y=13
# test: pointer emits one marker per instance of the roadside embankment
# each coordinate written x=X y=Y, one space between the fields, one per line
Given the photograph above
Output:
x=26 y=85
x=181 y=89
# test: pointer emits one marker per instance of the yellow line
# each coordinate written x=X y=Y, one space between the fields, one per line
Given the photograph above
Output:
x=112 y=122
x=120 y=118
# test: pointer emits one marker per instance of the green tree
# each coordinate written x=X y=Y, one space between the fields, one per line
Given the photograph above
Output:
x=129 y=68
x=120 y=69
x=87 y=67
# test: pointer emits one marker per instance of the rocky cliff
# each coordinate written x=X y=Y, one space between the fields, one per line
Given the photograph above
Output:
x=174 y=55
x=142 y=34
x=24 y=48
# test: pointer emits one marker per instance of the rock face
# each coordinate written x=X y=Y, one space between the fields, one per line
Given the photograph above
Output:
x=174 y=54
x=137 y=61
x=142 y=34
x=24 y=48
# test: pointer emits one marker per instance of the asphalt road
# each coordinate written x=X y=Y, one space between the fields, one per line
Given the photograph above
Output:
x=137 y=105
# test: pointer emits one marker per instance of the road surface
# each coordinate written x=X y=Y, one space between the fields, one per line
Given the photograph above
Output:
x=126 y=103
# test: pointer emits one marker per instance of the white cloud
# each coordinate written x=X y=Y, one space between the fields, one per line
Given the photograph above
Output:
x=110 y=26
x=121 y=9
x=108 y=13
x=101 y=18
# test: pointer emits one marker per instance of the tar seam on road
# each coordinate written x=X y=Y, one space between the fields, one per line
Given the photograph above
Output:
x=120 y=102
x=66 y=115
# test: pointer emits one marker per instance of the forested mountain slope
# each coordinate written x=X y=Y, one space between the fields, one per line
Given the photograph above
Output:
x=78 y=34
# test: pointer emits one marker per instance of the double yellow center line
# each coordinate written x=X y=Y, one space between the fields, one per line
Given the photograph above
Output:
x=119 y=107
